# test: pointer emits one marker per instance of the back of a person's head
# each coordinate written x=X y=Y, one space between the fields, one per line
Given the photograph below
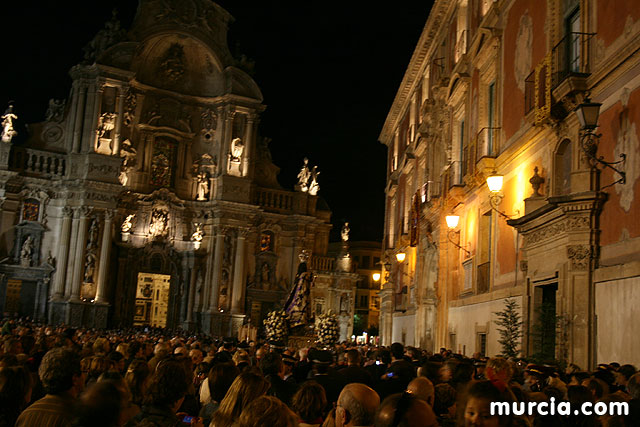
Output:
x=627 y=371
x=57 y=369
x=597 y=387
x=15 y=389
x=404 y=410
x=422 y=388
x=359 y=402
x=309 y=402
x=444 y=398
x=168 y=384
x=100 y=345
x=577 y=395
x=580 y=376
x=462 y=373
x=353 y=357
x=397 y=350
x=499 y=368
x=633 y=386
x=247 y=387
x=100 y=405
x=221 y=376
x=271 y=364
x=267 y=411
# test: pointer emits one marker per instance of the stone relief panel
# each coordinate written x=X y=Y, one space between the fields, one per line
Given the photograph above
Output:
x=579 y=256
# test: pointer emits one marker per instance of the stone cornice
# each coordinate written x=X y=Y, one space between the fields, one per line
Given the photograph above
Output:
x=426 y=45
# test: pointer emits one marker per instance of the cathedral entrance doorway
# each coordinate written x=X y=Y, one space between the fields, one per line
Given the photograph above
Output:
x=152 y=300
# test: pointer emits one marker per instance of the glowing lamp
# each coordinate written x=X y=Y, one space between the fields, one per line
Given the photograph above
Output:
x=400 y=256
x=376 y=277
x=494 y=182
x=452 y=221
x=587 y=113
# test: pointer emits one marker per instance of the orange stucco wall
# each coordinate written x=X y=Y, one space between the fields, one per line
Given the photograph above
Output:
x=612 y=15
x=614 y=218
x=513 y=97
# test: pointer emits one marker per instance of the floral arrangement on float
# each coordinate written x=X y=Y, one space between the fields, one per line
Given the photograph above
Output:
x=327 y=329
x=276 y=326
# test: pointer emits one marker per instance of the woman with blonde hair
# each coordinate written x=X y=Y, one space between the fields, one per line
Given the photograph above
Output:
x=246 y=388
x=267 y=411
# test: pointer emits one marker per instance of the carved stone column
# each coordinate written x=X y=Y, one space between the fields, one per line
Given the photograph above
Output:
x=79 y=254
x=208 y=272
x=77 y=127
x=71 y=121
x=217 y=271
x=63 y=253
x=105 y=250
x=92 y=134
x=73 y=239
x=248 y=144
x=192 y=295
x=237 y=306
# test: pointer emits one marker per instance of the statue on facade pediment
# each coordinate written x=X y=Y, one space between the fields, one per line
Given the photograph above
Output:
x=203 y=186
x=127 y=224
x=344 y=233
x=111 y=34
x=8 y=130
x=314 y=187
x=106 y=123
x=55 y=111
x=303 y=176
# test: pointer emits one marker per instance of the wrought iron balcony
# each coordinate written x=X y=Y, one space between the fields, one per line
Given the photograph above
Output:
x=570 y=57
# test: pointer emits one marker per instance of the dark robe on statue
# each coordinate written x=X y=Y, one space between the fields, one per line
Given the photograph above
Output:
x=298 y=304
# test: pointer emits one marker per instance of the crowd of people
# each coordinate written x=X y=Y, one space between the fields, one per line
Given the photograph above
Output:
x=60 y=376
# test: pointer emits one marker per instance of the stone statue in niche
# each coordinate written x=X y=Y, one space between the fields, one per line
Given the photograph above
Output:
x=237 y=148
x=344 y=303
x=314 y=187
x=26 y=252
x=203 y=186
x=303 y=176
x=128 y=154
x=224 y=290
x=106 y=123
x=89 y=266
x=55 y=111
x=93 y=234
x=8 y=131
x=127 y=223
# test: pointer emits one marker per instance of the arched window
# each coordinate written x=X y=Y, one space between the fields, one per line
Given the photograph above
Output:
x=563 y=168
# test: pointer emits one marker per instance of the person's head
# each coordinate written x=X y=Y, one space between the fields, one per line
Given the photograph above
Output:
x=196 y=356
x=245 y=388
x=633 y=386
x=353 y=357
x=423 y=389
x=357 y=405
x=221 y=376
x=499 y=369
x=267 y=411
x=271 y=364
x=168 y=385
x=101 y=346
x=477 y=411
x=405 y=410
x=117 y=360
x=15 y=389
x=445 y=398
x=397 y=350
x=60 y=372
x=577 y=377
x=181 y=351
x=137 y=378
x=623 y=374
x=597 y=387
x=100 y=405
x=135 y=350
x=309 y=402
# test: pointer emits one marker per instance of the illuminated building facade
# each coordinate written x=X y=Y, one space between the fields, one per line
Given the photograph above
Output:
x=148 y=197
x=491 y=90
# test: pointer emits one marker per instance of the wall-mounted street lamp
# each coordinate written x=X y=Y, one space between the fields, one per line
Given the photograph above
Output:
x=588 y=113
x=400 y=256
x=452 y=223
x=387 y=269
x=375 y=277
x=494 y=182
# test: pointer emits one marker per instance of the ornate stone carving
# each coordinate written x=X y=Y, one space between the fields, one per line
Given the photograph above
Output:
x=545 y=233
x=203 y=186
x=172 y=64
x=209 y=119
x=26 y=252
x=536 y=181
x=130 y=102
x=237 y=148
x=344 y=233
x=8 y=130
x=52 y=133
x=578 y=223
x=159 y=226
x=579 y=256
x=127 y=224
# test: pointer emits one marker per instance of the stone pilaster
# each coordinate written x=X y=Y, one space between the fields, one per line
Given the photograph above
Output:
x=105 y=250
x=79 y=254
x=237 y=297
x=63 y=254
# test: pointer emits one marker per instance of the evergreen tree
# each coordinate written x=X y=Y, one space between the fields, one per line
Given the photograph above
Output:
x=510 y=329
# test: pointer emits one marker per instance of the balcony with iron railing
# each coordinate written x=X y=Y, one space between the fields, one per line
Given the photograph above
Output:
x=529 y=93
x=570 y=57
x=38 y=163
x=455 y=173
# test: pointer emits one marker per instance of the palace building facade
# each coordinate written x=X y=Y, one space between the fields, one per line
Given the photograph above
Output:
x=493 y=90
x=148 y=197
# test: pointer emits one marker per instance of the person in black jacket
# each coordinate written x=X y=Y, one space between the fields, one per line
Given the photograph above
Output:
x=273 y=371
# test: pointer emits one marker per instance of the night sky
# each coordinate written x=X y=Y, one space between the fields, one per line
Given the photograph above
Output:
x=328 y=71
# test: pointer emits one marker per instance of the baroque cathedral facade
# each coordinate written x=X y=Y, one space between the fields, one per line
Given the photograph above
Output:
x=148 y=197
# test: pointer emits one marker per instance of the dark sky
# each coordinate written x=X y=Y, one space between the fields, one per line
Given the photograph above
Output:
x=328 y=71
